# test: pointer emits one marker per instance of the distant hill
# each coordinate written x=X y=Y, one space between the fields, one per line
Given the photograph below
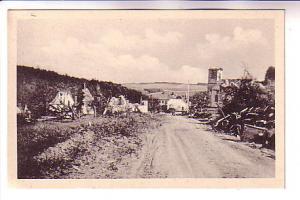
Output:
x=36 y=88
x=177 y=88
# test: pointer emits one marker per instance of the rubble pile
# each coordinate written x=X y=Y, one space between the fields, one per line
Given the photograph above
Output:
x=202 y=115
x=117 y=105
x=250 y=124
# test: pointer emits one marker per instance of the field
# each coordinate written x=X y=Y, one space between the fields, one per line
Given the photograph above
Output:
x=65 y=149
x=178 y=88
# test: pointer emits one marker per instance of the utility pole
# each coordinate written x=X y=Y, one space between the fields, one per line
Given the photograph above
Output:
x=188 y=97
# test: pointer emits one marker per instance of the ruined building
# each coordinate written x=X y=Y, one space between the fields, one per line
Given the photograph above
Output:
x=87 y=101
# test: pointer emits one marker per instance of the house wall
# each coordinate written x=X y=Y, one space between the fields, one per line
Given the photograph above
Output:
x=143 y=107
x=163 y=102
x=177 y=104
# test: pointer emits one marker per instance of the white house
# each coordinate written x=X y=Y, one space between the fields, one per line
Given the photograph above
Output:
x=143 y=106
x=178 y=105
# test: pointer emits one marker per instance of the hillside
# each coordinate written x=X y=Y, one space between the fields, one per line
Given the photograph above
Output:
x=36 y=88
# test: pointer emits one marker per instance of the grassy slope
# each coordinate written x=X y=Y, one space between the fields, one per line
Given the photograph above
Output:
x=65 y=145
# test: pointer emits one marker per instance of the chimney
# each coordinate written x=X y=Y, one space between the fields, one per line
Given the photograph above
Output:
x=84 y=85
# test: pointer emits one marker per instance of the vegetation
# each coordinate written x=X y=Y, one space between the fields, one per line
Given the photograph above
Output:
x=80 y=98
x=154 y=105
x=199 y=101
x=36 y=88
x=250 y=94
x=34 y=139
x=270 y=74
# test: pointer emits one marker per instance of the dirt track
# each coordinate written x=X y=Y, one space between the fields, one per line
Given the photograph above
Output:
x=183 y=148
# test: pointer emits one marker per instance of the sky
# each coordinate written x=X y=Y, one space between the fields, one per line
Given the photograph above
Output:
x=132 y=50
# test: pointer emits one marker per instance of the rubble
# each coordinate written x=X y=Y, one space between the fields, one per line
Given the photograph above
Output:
x=250 y=124
x=62 y=107
x=24 y=115
x=119 y=105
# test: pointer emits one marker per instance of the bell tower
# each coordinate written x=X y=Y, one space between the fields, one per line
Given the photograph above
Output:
x=213 y=86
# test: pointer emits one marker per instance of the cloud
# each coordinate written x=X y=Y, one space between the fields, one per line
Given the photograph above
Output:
x=242 y=36
x=239 y=41
x=243 y=48
x=129 y=55
x=147 y=68
x=118 y=40
x=102 y=61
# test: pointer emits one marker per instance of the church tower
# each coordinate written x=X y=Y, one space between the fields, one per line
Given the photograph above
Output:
x=213 y=86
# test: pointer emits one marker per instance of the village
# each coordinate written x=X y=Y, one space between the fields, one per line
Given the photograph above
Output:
x=73 y=127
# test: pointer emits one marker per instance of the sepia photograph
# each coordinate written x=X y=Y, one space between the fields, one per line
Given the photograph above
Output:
x=147 y=95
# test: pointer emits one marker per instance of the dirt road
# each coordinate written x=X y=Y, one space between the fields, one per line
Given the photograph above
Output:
x=183 y=148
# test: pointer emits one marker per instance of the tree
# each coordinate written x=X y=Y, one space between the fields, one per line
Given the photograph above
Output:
x=248 y=94
x=80 y=97
x=270 y=74
x=199 y=100
x=154 y=105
